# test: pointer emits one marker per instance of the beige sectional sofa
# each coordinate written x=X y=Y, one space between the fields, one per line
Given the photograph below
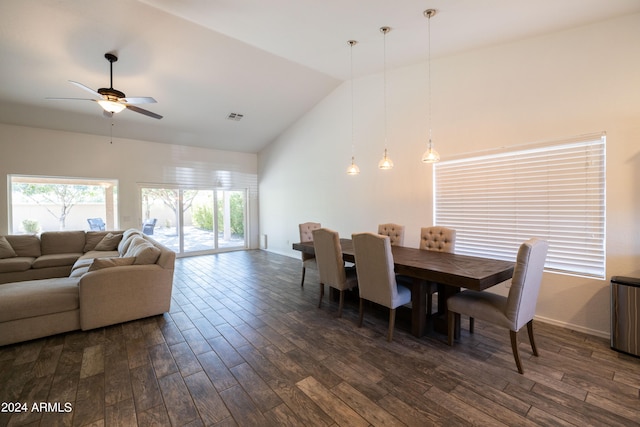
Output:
x=69 y=280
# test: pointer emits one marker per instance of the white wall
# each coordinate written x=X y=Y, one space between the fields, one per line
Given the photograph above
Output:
x=31 y=151
x=547 y=88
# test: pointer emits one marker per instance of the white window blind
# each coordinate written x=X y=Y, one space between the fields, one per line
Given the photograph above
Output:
x=555 y=192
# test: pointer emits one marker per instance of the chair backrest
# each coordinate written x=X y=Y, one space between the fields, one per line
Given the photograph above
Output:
x=394 y=231
x=440 y=239
x=306 y=230
x=525 y=284
x=329 y=258
x=306 y=235
x=96 y=224
x=148 y=226
x=374 y=266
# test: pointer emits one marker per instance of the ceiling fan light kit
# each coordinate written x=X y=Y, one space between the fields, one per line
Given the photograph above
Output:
x=111 y=106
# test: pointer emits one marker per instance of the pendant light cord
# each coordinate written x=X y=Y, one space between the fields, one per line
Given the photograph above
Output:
x=429 y=72
x=353 y=147
x=384 y=58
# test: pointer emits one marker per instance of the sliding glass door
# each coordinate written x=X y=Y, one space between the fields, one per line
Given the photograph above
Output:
x=193 y=221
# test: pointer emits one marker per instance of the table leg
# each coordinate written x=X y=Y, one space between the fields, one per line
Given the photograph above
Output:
x=418 y=308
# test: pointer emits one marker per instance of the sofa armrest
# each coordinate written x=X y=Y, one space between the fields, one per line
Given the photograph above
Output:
x=120 y=294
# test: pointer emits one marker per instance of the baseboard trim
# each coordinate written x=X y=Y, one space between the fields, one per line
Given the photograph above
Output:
x=573 y=327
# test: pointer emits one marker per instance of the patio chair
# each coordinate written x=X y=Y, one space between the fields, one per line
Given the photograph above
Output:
x=148 y=226
x=96 y=224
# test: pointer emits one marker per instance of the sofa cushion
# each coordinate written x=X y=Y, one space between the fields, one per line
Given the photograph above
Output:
x=109 y=242
x=143 y=251
x=55 y=260
x=62 y=242
x=25 y=244
x=100 y=263
x=20 y=263
x=32 y=298
x=6 y=251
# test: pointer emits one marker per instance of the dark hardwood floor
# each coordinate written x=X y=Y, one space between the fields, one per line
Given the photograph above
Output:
x=245 y=345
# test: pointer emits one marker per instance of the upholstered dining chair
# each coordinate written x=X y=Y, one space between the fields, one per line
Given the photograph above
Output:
x=331 y=265
x=306 y=235
x=376 y=276
x=440 y=239
x=394 y=231
x=513 y=311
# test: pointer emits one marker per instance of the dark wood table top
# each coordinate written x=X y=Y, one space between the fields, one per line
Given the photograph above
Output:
x=445 y=268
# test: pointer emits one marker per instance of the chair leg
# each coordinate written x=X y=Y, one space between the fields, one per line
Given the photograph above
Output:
x=531 y=340
x=361 y=313
x=304 y=270
x=472 y=323
x=451 y=326
x=321 y=294
x=341 y=304
x=392 y=323
x=514 y=347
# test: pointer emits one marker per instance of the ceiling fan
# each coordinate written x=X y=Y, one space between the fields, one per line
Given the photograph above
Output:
x=112 y=100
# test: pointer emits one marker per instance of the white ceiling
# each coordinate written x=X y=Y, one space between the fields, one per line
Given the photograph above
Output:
x=269 y=60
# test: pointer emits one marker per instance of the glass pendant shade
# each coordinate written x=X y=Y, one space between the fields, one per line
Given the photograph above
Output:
x=431 y=155
x=111 y=106
x=386 y=163
x=353 y=169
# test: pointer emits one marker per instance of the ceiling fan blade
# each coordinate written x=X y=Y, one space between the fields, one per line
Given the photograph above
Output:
x=145 y=112
x=88 y=89
x=139 y=100
x=72 y=99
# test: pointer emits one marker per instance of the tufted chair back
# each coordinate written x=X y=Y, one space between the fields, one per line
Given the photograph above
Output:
x=306 y=235
x=394 y=231
x=306 y=231
x=440 y=239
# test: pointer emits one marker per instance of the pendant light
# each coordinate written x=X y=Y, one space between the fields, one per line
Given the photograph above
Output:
x=386 y=162
x=431 y=155
x=353 y=168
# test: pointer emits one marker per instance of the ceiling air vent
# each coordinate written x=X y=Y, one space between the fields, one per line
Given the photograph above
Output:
x=235 y=116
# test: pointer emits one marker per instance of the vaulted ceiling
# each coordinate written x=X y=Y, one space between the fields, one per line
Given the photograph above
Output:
x=202 y=60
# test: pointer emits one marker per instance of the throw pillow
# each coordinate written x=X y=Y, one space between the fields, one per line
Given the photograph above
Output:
x=109 y=242
x=100 y=263
x=6 y=251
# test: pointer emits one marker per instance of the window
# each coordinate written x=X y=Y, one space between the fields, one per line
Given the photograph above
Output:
x=191 y=220
x=554 y=192
x=41 y=203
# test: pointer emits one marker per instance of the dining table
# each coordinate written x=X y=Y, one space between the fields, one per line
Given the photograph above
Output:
x=450 y=271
